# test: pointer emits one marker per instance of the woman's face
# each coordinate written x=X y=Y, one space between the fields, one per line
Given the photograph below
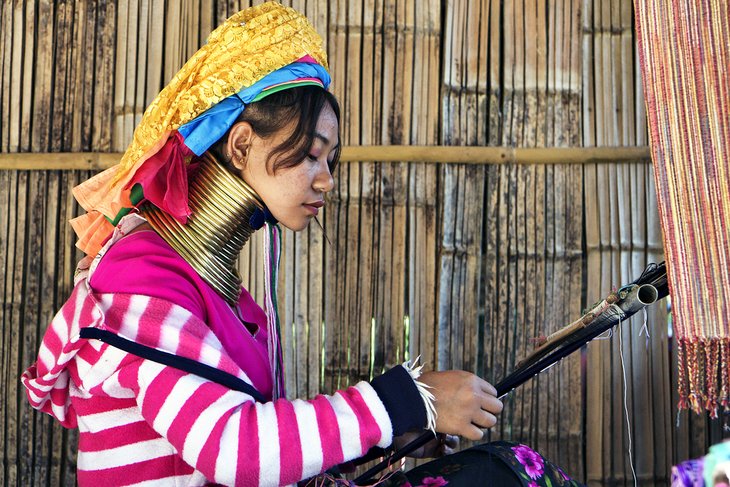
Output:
x=294 y=195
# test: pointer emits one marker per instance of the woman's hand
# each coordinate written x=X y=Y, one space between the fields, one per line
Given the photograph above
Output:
x=465 y=404
x=442 y=445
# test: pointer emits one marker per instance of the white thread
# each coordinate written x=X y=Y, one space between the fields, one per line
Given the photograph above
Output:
x=626 y=408
x=678 y=411
x=605 y=335
x=645 y=328
x=423 y=389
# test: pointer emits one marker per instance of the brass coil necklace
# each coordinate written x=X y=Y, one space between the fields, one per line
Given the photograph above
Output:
x=225 y=212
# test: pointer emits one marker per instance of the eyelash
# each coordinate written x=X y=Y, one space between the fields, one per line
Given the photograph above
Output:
x=313 y=158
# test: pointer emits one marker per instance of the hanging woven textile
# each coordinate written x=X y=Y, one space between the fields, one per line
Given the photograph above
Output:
x=684 y=51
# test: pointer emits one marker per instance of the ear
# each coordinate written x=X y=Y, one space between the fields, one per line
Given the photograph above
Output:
x=239 y=142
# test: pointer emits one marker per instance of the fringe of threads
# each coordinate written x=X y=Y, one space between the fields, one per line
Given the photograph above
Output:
x=725 y=374
x=272 y=251
x=712 y=352
x=704 y=374
x=423 y=389
x=681 y=377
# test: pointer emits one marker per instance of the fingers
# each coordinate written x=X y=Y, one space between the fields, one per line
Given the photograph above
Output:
x=447 y=445
x=451 y=441
x=464 y=402
x=484 y=419
x=473 y=433
x=491 y=404
x=488 y=388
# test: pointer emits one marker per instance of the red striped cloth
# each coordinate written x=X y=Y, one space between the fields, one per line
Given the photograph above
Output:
x=684 y=51
x=140 y=421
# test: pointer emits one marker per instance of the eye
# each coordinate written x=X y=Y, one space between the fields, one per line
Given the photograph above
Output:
x=312 y=157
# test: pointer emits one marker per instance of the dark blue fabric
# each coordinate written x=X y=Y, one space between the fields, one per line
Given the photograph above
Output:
x=402 y=400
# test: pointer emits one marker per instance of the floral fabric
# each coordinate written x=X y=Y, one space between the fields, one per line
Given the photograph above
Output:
x=688 y=474
x=495 y=464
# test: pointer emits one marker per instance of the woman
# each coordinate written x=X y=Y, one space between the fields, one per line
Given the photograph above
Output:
x=169 y=369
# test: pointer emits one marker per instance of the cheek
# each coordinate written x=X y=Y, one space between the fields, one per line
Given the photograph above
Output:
x=296 y=183
x=286 y=191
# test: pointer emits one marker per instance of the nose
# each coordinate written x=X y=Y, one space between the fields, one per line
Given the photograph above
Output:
x=324 y=182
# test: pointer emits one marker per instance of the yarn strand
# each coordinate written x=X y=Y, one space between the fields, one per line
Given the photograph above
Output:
x=272 y=251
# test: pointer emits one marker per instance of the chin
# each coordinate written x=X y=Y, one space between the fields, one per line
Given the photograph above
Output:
x=296 y=226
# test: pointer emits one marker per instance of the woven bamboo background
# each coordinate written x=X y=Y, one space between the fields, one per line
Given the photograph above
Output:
x=460 y=264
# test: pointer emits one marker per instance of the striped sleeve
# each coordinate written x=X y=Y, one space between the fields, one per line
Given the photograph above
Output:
x=234 y=440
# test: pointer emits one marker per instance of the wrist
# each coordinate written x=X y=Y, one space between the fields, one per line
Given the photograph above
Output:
x=402 y=399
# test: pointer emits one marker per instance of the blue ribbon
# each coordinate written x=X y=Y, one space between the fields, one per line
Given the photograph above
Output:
x=204 y=130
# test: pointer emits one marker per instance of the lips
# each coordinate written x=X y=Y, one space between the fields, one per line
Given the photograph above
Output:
x=314 y=207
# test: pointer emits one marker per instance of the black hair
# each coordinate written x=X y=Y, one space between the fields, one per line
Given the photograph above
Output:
x=302 y=104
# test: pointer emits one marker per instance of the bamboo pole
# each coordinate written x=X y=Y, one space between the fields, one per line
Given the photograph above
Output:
x=81 y=82
x=616 y=132
x=172 y=54
x=298 y=296
x=6 y=242
x=494 y=332
x=54 y=233
x=368 y=217
x=125 y=34
x=421 y=221
x=446 y=274
x=15 y=316
x=314 y=288
x=382 y=153
x=139 y=101
x=26 y=49
x=50 y=268
x=386 y=189
x=103 y=79
x=531 y=182
x=402 y=23
x=574 y=230
x=595 y=464
x=42 y=78
x=68 y=439
x=548 y=226
x=358 y=194
x=34 y=464
x=20 y=437
x=62 y=46
x=346 y=34
x=482 y=129
x=473 y=181
x=155 y=51
x=50 y=161
x=6 y=30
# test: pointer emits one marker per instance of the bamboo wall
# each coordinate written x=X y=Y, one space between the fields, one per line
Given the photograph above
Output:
x=460 y=264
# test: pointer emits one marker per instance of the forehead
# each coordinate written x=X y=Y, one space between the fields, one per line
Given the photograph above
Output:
x=327 y=127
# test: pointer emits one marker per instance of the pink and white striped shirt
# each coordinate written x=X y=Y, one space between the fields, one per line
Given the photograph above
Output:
x=144 y=423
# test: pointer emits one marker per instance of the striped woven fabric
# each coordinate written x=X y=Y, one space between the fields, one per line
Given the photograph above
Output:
x=684 y=50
